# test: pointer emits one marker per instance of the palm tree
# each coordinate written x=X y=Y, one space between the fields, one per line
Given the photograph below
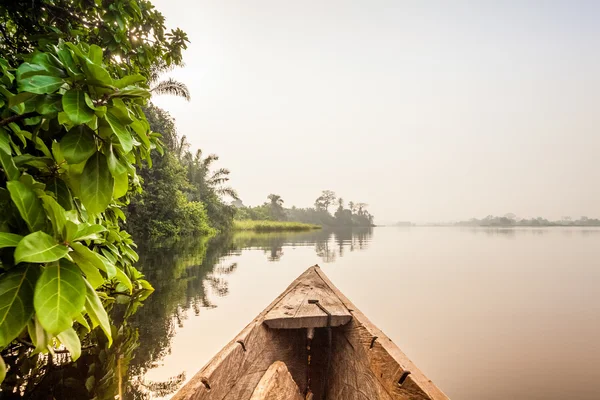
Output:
x=276 y=206
x=203 y=178
x=352 y=207
x=169 y=86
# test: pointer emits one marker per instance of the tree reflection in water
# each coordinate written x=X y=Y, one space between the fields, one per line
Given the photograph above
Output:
x=185 y=275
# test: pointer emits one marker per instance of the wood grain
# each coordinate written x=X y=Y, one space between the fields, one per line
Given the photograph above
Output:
x=293 y=311
x=276 y=384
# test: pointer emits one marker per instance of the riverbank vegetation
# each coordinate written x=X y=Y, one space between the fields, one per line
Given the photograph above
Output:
x=512 y=220
x=74 y=78
x=355 y=214
x=272 y=226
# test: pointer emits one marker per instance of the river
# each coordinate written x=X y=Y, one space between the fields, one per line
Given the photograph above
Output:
x=484 y=313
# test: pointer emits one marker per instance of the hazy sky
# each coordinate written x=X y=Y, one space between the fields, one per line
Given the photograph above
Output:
x=425 y=110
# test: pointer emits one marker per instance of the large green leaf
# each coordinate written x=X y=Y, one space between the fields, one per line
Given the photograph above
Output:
x=96 y=311
x=129 y=80
x=122 y=277
x=39 y=247
x=16 y=301
x=70 y=340
x=9 y=239
x=49 y=105
x=8 y=165
x=96 y=184
x=39 y=337
x=78 y=145
x=74 y=105
x=39 y=84
x=93 y=258
x=29 y=205
x=115 y=165
x=120 y=131
x=88 y=263
x=56 y=214
x=89 y=232
x=121 y=185
x=61 y=192
x=59 y=296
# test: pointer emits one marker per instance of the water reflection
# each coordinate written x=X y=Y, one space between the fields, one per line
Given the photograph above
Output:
x=187 y=275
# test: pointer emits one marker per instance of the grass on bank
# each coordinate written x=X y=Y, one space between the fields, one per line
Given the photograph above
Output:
x=272 y=226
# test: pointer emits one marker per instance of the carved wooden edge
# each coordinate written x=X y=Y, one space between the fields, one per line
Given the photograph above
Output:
x=407 y=372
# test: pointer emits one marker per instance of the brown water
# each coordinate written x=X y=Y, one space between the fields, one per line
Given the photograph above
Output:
x=485 y=313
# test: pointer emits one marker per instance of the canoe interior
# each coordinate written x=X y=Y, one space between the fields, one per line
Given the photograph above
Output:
x=364 y=363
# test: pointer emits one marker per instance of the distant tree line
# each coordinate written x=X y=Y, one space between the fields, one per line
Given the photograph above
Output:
x=512 y=220
x=350 y=214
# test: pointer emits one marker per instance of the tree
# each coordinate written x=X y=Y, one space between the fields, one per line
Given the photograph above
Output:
x=352 y=207
x=72 y=130
x=276 y=206
x=131 y=34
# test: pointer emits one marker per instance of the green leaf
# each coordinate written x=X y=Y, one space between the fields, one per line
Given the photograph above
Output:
x=120 y=131
x=2 y=370
x=121 y=185
x=70 y=340
x=59 y=296
x=96 y=184
x=74 y=105
x=39 y=336
x=97 y=75
x=16 y=301
x=19 y=98
x=96 y=311
x=119 y=110
x=39 y=247
x=40 y=84
x=95 y=54
x=5 y=142
x=49 y=105
x=40 y=163
x=27 y=70
x=115 y=165
x=9 y=239
x=129 y=80
x=88 y=263
x=90 y=270
x=30 y=207
x=8 y=164
x=78 y=145
x=56 y=214
x=61 y=192
x=66 y=58
x=124 y=279
x=93 y=258
x=89 y=232
x=82 y=321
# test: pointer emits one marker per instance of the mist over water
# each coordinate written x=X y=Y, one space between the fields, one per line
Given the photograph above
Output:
x=485 y=313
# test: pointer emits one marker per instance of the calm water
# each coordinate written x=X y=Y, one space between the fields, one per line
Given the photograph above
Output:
x=485 y=313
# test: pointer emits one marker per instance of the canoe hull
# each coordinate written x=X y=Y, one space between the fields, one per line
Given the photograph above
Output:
x=364 y=362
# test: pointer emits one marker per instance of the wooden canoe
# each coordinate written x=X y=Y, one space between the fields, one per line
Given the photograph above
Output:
x=311 y=342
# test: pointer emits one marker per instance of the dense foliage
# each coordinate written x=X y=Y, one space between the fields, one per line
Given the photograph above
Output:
x=183 y=195
x=74 y=78
x=355 y=215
